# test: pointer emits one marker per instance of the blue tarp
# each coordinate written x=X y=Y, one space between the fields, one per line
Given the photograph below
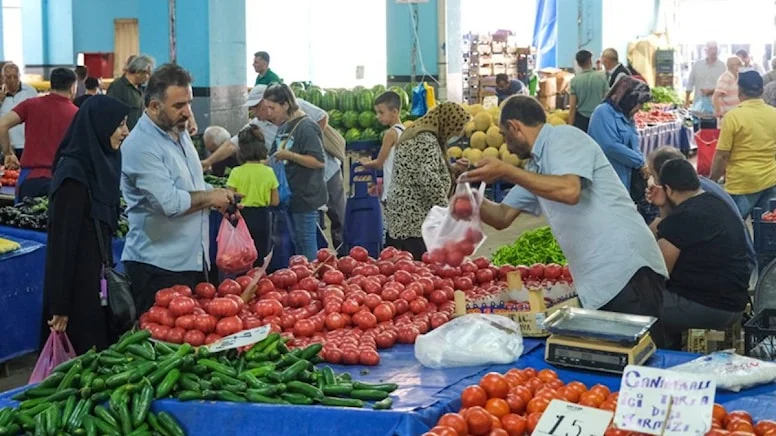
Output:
x=545 y=34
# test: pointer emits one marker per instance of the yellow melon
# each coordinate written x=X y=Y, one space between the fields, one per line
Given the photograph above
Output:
x=563 y=115
x=475 y=109
x=474 y=155
x=479 y=140
x=482 y=121
x=555 y=120
x=455 y=152
x=495 y=114
x=511 y=159
x=503 y=149
x=490 y=152
x=468 y=129
x=494 y=137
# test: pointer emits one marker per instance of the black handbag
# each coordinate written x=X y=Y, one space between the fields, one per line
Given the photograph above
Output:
x=118 y=288
x=638 y=185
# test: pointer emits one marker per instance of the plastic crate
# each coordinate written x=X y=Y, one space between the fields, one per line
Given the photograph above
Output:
x=764 y=231
x=760 y=335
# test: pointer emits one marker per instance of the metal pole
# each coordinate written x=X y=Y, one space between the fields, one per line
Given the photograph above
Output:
x=173 y=51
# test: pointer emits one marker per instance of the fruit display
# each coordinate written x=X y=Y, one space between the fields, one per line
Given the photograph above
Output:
x=215 y=181
x=7 y=246
x=111 y=392
x=32 y=213
x=8 y=177
x=512 y=404
x=534 y=246
x=653 y=116
x=769 y=216
x=353 y=306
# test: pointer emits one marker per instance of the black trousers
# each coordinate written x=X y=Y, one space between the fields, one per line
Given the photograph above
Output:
x=259 y=222
x=643 y=295
x=581 y=122
x=147 y=279
x=38 y=187
x=416 y=246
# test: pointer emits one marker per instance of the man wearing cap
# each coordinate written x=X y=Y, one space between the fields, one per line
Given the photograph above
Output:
x=747 y=146
x=335 y=208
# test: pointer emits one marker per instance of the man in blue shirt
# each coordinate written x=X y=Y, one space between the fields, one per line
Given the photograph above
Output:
x=506 y=88
x=613 y=257
x=168 y=201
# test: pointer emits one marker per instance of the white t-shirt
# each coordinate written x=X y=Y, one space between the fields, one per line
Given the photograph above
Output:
x=10 y=102
x=388 y=164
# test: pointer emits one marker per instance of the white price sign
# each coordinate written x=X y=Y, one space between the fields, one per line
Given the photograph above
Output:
x=568 y=419
x=662 y=402
x=240 y=339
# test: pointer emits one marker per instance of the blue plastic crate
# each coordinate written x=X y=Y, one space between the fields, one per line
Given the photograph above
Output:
x=764 y=231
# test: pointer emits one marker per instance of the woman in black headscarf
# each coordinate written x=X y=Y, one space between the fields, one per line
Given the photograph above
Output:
x=84 y=191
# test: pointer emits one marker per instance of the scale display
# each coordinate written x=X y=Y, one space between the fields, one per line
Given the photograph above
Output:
x=577 y=357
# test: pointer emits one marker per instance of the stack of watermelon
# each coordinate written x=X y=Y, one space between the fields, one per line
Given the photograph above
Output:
x=351 y=111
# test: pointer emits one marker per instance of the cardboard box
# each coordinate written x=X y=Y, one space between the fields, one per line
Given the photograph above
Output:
x=529 y=314
x=550 y=103
x=709 y=341
x=562 y=79
x=548 y=86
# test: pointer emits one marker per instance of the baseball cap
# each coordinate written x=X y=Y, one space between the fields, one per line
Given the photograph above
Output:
x=255 y=96
x=750 y=81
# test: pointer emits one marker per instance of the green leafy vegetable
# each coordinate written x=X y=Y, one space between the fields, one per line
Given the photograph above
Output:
x=662 y=94
x=535 y=246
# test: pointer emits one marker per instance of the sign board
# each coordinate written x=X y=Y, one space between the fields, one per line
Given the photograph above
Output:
x=360 y=72
x=241 y=339
x=664 y=61
x=662 y=402
x=562 y=419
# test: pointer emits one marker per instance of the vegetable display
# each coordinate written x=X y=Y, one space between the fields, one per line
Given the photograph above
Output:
x=661 y=94
x=512 y=404
x=535 y=246
x=32 y=213
x=9 y=177
x=215 y=181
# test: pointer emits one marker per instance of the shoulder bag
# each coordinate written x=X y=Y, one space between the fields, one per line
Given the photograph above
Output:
x=115 y=289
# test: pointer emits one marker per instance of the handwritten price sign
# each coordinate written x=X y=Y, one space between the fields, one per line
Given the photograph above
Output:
x=240 y=339
x=661 y=402
x=567 y=419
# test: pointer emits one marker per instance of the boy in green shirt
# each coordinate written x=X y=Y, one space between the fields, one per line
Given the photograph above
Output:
x=261 y=66
x=587 y=89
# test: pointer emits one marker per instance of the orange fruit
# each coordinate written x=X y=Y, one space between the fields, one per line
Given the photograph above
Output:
x=479 y=421
x=456 y=422
x=473 y=396
x=497 y=407
x=495 y=385
x=537 y=405
x=547 y=375
x=515 y=425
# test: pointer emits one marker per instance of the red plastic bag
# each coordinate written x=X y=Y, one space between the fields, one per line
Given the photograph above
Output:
x=706 y=140
x=236 y=249
x=451 y=233
x=57 y=350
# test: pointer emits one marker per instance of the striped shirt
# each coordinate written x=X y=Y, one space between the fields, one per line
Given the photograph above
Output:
x=726 y=92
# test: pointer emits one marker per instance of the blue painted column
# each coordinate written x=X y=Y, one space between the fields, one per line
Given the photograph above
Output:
x=401 y=34
x=47 y=35
x=32 y=35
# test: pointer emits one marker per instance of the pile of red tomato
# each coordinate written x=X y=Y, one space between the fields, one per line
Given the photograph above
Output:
x=353 y=305
x=9 y=177
x=512 y=404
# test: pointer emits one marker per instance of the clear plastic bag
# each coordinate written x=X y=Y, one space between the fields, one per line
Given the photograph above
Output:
x=236 y=249
x=471 y=340
x=451 y=233
x=732 y=372
x=57 y=350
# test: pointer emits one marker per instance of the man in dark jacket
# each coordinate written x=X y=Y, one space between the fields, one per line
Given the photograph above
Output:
x=614 y=69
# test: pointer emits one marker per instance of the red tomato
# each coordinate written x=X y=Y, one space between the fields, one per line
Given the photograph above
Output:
x=333 y=277
x=265 y=285
x=372 y=300
x=243 y=281
x=418 y=305
x=366 y=320
x=229 y=286
x=194 y=337
x=359 y=253
x=205 y=323
x=205 y=290
x=299 y=298
x=223 y=307
x=407 y=334
x=402 y=306
x=369 y=357
x=385 y=340
x=175 y=335
x=351 y=357
x=237 y=299
x=229 y=325
x=383 y=312
x=332 y=356
x=186 y=322
x=438 y=319
x=159 y=332
x=164 y=296
x=264 y=308
x=213 y=337
x=182 y=290
x=304 y=328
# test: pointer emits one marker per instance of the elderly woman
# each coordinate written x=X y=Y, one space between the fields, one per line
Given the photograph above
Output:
x=84 y=201
x=612 y=126
x=422 y=178
x=299 y=143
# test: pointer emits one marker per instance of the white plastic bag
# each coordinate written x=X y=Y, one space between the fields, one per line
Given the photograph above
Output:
x=451 y=233
x=470 y=340
x=733 y=372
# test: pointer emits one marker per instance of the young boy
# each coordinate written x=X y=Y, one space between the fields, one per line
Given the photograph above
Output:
x=387 y=107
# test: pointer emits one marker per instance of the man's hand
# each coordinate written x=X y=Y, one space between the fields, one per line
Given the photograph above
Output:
x=364 y=161
x=488 y=170
x=707 y=92
x=645 y=172
x=58 y=323
x=220 y=198
x=206 y=165
x=283 y=154
x=11 y=161
x=191 y=126
x=656 y=195
x=3 y=93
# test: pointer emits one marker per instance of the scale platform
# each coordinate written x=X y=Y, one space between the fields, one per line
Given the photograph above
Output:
x=597 y=340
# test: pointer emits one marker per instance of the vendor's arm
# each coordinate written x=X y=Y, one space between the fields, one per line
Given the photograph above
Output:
x=603 y=128
x=9 y=120
x=389 y=141
x=314 y=113
x=565 y=188
x=498 y=215
x=572 y=107
x=729 y=129
x=223 y=152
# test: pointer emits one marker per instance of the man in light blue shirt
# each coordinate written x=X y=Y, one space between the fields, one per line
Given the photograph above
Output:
x=613 y=257
x=168 y=201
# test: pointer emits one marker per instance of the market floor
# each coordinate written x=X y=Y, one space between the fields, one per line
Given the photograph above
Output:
x=16 y=372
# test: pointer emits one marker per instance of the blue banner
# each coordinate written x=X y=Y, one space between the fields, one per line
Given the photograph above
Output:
x=545 y=35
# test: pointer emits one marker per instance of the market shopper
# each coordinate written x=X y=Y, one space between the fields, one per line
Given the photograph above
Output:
x=614 y=69
x=613 y=257
x=748 y=63
x=128 y=88
x=168 y=202
x=46 y=120
x=213 y=137
x=708 y=264
x=92 y=85
x=13 y=92
x=587 y=90
x=701 y=84
x=613 y=128
x=84 y=194
x=81 y=74
x=746 y=148
x=299 y=143
x=261 y=66
x=725 y=95
x=422 y=178
x=387 y=108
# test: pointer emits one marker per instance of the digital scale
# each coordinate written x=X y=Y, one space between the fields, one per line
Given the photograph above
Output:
x=597 y=340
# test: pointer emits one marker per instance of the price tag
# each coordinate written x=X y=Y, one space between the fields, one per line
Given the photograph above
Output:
x=241 y=339
x=567 y=419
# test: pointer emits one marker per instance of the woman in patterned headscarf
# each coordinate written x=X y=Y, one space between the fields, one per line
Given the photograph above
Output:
x=612 y=126
x=422 y=177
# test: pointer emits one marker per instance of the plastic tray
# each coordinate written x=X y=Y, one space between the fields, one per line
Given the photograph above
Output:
x=598 y=324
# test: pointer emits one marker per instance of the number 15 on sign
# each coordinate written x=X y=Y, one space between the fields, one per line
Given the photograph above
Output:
x=567 y=419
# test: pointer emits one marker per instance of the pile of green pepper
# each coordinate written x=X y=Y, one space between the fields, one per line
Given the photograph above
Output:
x=535 y=246
x=111 y=392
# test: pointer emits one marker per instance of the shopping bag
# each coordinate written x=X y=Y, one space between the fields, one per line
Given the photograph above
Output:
x=706 y=140
x=284 y=190
x=430 y=97
x=57 y=350
x=236 y=249
x=419 y=102
x=451 y=233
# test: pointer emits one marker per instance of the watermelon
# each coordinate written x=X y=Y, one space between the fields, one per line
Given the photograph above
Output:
x=377 y=126
x=335 y=118
x=352 y=135
x=365 y=101
x=314 y=96
x=347 y=101
x=350 y=119
x=366 y=119
x=377 y=90
x=369 y=134
x=329 y=100
x=403 y=96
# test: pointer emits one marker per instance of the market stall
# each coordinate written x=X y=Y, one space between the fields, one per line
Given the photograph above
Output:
x=673 y=133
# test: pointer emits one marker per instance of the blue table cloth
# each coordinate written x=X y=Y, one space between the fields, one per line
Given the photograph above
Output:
x=21 y=297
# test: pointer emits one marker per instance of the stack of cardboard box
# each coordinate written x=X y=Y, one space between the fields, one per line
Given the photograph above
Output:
x=553 y=88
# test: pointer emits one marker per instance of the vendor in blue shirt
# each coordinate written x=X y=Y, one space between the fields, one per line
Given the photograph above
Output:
x=168 y=201
x=612 y=255
x=506 y=88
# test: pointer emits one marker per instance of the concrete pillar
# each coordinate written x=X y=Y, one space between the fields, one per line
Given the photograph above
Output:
x=401 y=34
x=47 y=35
